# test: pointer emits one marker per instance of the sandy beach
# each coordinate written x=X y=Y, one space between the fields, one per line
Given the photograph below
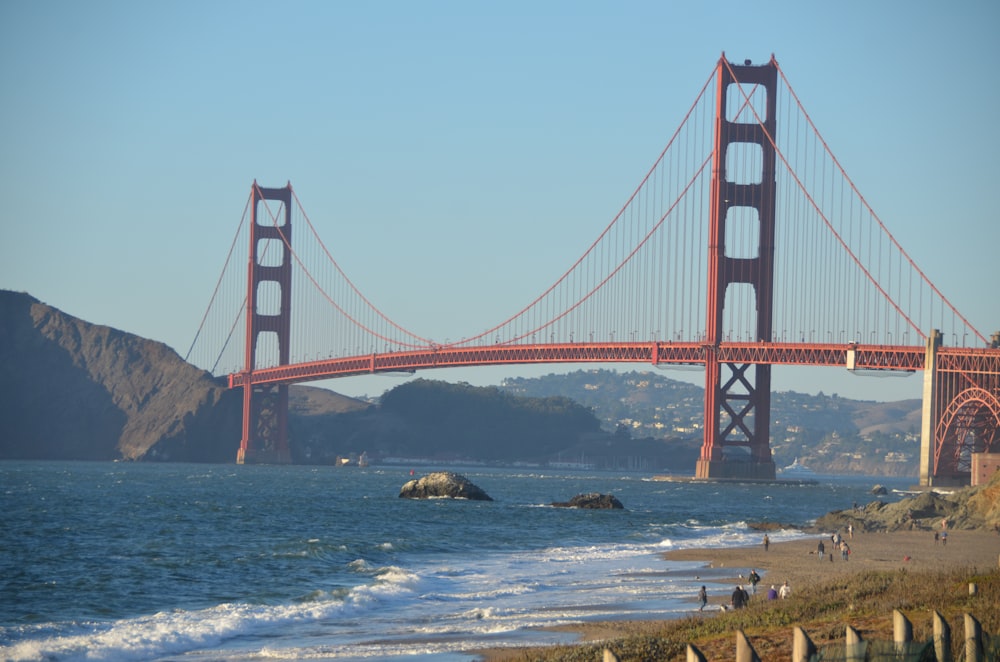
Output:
x=798 y=563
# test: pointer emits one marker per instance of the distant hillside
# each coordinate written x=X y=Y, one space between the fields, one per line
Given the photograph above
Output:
x=828 y=433
x=444 y=422
x=74 y=390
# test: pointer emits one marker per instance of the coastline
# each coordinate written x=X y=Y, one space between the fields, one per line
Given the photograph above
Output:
x=796 y=562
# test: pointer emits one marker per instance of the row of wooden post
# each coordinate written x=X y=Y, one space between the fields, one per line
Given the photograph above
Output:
x=803 y=648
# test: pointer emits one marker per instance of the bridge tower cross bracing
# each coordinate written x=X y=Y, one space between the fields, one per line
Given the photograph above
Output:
x=265 y=406
x=737 y=410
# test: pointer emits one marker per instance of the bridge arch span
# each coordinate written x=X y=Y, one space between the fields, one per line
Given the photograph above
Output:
x=969 y=424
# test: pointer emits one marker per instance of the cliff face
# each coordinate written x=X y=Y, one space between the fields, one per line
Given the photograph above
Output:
x=74 y=390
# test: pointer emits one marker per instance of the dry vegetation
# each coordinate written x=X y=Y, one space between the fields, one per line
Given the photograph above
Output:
x=864 y=601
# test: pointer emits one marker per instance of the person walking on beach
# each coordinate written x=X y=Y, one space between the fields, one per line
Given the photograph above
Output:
x=944 y=538
x=772 y=593
x=845 y=551
x=821 y=550
x=739 y=598
x=754 y=580
x=702 y=598
x=785 y=591
x=767 y=542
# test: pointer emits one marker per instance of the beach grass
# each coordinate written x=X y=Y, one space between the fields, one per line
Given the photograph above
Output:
x=905 y=572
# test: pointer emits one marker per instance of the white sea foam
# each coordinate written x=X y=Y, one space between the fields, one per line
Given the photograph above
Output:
x=168 y=633
x=430 y=580
x=493 y=594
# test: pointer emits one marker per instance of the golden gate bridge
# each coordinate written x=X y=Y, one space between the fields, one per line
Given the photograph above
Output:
x=745 y=246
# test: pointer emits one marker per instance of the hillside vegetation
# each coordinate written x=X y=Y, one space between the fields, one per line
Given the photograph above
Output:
x=458 y=422
x=865 y=601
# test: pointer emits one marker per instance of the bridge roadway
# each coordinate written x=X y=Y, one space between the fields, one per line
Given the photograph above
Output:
x=862 y=357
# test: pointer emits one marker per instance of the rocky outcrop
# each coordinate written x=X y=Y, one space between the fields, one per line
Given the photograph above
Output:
x=969 y=508
x=593 y=500
x=443 y=484
x=984 y=502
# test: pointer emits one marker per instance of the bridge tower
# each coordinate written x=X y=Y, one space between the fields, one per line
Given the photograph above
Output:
x=738 y=409
x=265 y=406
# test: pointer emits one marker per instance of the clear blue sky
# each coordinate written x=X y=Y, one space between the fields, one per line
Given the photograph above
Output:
x=455 y=151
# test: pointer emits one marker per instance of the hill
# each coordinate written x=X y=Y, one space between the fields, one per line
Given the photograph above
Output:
x=74 y=390
x=828 y=433
x=70 y=389
x=437 y=421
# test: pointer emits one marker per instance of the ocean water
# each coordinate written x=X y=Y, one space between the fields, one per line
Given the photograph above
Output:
x=116 y=561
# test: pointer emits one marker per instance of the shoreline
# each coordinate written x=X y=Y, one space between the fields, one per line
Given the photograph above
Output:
x=796 y=562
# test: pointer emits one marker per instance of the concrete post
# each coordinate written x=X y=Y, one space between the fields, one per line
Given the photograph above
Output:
x=902 y=631
x=928 y=424
x=744 y=651
x=942 y=638
x=694 y=655
x=855 y=647
x=902 y=628
x=973 y=640
x=802 y=646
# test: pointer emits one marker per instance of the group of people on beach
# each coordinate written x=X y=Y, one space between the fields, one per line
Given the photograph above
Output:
x=838 y=543
x=740 y=598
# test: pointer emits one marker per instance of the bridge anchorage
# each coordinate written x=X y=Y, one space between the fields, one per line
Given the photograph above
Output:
x=960 y=430
x=752 y=286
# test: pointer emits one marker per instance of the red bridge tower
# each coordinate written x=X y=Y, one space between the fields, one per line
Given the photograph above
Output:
x=738 y=410
x=265 y=406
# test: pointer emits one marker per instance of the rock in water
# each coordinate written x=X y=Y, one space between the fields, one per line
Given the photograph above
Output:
x=443 y=484
x=879 y=490
x=593 y=500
